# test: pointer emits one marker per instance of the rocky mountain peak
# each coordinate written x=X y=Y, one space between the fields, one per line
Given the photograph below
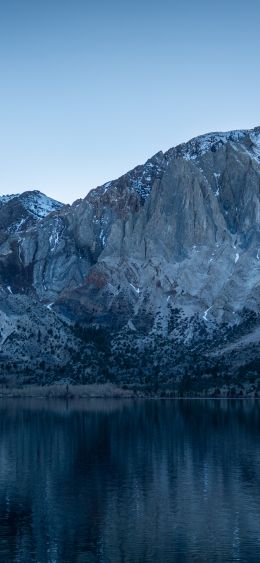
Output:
x=19 y=211
x=139 y=181
x=38 y=204
x=169 y=253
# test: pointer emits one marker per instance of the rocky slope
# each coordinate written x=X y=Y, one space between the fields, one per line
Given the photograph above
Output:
x=20 y=211
x=154 y=272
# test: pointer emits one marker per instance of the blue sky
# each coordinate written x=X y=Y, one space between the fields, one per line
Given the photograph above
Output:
x=91 y=89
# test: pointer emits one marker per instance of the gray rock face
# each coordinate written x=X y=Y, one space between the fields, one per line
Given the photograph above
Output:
x=197 y=232
x=180 y=233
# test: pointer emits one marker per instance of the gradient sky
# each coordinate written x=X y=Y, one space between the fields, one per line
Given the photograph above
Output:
x=89 y=89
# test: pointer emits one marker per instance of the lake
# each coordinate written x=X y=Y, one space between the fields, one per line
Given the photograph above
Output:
x=114 y=481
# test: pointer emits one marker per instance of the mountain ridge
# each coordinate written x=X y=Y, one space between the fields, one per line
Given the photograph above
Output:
x=169 y=253
x=19 y=211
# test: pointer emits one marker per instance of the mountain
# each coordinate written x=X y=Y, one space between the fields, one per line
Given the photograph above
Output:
x=152 y=280
x=20 y=211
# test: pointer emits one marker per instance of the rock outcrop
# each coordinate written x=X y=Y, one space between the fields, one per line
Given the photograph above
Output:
x=169 y=251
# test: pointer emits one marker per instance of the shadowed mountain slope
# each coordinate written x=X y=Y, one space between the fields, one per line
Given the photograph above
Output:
x=169 y=253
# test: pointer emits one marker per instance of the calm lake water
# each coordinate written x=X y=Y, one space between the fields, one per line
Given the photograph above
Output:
x=116 y=481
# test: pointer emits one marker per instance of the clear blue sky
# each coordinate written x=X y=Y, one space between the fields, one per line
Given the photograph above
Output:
x=89 y=89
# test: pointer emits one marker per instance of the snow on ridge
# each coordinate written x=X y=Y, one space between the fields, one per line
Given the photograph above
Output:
x=141 y=178
x=39 y=204
x=255 y=138
x=200 y=145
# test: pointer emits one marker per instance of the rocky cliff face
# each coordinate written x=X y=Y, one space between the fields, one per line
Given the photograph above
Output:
x=169 y=251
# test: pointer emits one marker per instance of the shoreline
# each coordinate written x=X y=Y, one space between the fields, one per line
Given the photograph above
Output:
x=105 y=391
x=66 y=391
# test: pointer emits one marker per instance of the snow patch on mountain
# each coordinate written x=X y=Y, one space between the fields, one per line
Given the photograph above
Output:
x=56 y=232
x=141 y=178
x=22 y=210
x=255 y=138
x=39 y=205
x=198 y=146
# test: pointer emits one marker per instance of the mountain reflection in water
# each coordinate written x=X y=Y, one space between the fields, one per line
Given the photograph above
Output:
x=129 y=481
